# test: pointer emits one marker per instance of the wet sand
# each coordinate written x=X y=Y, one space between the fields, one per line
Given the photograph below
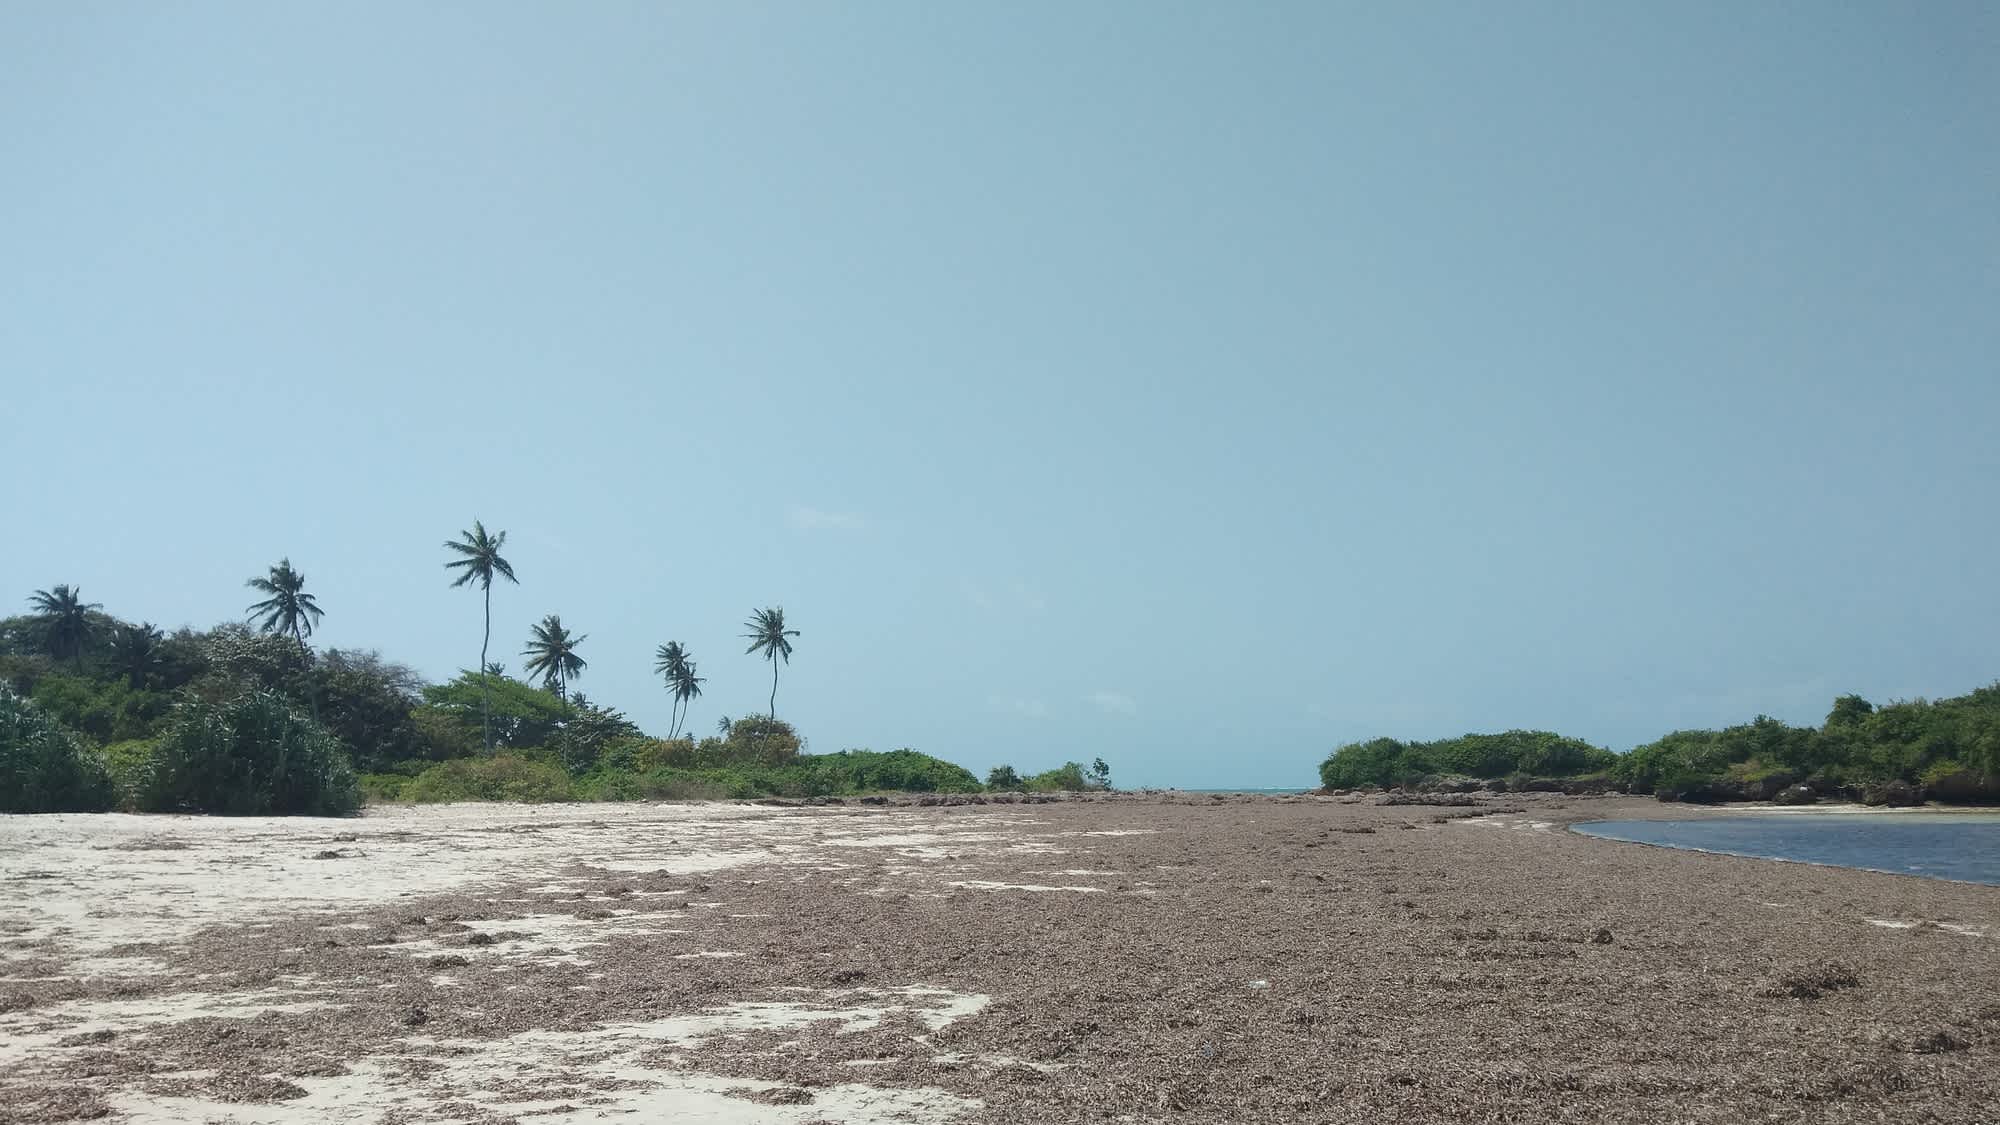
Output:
x=1138 y=959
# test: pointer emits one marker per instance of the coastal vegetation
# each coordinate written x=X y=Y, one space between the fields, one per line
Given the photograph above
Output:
x=100 y=713
x=1898 y=753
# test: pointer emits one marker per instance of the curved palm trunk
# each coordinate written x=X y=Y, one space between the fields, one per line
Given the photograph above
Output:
x=485 y=689
x=774 y=688
x=312 y=693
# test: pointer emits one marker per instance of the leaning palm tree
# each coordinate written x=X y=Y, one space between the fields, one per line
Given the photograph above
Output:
x=769 y=636
x=480 y=560
x=551 y=654
x=65 y=619
x=135 y=651
x=671 y=661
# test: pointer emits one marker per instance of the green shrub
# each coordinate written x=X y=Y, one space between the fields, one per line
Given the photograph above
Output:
x=503 y=777
x=1067 y=777
x=46 y=768
x=128 y=767
x=1004 y=779
x=252 y=755
x=382 y=788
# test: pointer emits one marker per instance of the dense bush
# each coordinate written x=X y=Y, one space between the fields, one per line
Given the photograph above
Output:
x=1527 y=753
x=1947 y=749
x=106 y=710
x=503 y=777
x=254 y=754
x=45 y=768
x=522 y=715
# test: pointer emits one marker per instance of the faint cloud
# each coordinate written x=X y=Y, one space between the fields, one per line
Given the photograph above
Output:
x=1029 y=708
x=1029 y=598
x=1113 y=703
x=814 y=519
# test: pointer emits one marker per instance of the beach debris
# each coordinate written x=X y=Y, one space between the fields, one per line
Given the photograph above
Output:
x=415 y=1016
x=782 y=1095
x=1938 y=1042
x=450 y=961
x=1260 y=985
x=1810 y=982
x=1601 y=937
x=330 y=854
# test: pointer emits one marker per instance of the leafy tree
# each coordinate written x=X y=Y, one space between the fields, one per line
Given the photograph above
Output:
x=65 y=619
x=515 y=714
x=671 y=662
x=551 y=654
x=1099 y=774
x=479 y=560
x=769 y=636
x=762 y=739
x=45 y=768
x=367 y=703
x=1849 y=710
x=588 y=731
x=1004 y=778
x=135 y=653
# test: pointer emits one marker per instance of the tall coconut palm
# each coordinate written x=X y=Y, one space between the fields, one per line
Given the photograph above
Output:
x=65 y=620
x=480 y=560
x=135 y=651
x=769 y=636
x=551 y=654
x=671 y=661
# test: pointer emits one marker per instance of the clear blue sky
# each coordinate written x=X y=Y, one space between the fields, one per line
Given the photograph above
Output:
x=1200 y=386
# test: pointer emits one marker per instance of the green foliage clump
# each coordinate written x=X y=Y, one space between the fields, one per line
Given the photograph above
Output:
x=679 y=770
x=106 y=710
x=1522 y=753
x=254 y=754
x=1005 y=779
x=1071 y=777
x=46 y=768
x=503 y=777
x=522 y=715
x=1948 y=747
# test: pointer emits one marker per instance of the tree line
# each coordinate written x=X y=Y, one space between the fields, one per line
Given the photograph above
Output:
x=1898 y=753
x=247 y=716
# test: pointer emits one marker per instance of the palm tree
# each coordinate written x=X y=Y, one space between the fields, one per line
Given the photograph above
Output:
x=769 y=636
x=723 y=724
x=552 y=654
x=66 y=619
x=289 y=609
x=135 y=651
x=671 y=661
x=480 y=562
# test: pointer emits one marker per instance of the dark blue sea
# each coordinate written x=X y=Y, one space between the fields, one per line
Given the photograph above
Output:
x=1962 y=846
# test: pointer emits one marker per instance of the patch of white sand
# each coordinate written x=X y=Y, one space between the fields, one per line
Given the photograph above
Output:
x=987 y=885
x=1947 y=927
x=560 y=1070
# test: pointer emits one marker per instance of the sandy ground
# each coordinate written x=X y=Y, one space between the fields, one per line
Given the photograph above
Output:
x=1197 y=959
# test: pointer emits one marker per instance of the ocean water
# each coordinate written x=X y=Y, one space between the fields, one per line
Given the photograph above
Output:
x=1962 y=846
